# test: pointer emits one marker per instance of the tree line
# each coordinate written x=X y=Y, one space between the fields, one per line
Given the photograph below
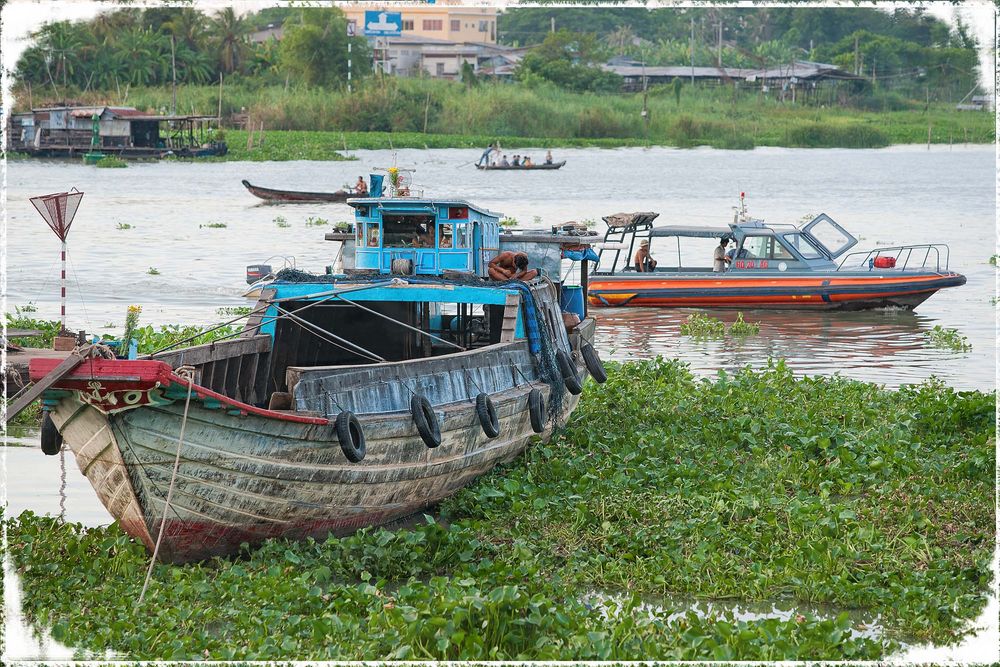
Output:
x=150 y=47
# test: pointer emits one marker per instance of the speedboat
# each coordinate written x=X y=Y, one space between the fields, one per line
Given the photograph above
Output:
x=771 y=266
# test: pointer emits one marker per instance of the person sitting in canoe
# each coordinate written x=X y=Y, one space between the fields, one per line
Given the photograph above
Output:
x=360 y=188
x=548 y=158
x=720 y=259
x=510 y=266
x=504 y=162
x=644 y=262
x=526 y=162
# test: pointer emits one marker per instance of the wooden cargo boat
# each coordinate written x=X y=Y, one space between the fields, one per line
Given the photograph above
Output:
x=347 y=401
x=542 y=166
x=771 y=266
x=269 y=194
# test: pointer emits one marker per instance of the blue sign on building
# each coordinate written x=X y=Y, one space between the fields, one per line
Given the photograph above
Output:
x=383 y=24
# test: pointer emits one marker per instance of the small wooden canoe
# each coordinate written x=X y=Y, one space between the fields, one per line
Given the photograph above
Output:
x=269 y=194
x=554 y=165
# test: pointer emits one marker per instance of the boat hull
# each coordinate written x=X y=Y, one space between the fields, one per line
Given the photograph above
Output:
x=269 y=194
x=534 y=167
x=248 y=474
x=812 y=292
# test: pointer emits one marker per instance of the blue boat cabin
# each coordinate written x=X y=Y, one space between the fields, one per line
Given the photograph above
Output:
x=428 y=236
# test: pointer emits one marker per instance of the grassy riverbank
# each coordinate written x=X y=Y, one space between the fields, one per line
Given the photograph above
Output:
x=749 y=486
x=415 y=113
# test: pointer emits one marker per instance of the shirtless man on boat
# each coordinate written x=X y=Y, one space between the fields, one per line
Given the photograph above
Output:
x=643 y=261
x=510 y=266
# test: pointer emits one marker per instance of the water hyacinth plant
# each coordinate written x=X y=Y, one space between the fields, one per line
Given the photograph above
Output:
x=755 y=485
x=948 y=339
x=698 y=325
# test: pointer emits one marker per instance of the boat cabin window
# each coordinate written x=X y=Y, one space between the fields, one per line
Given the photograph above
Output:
x=372 y=232
x=755 y=247
x=408 y=231
x=453 y=235
x=802 y=246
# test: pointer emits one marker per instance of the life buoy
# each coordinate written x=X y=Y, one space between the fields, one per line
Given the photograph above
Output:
x=568 y=369
x=593 y=363
x=52 y=440
x=487 y=414
x=426 y=421
x=351 y=436
x=536 y=410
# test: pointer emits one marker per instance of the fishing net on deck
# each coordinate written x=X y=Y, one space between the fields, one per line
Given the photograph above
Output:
x=540 y=336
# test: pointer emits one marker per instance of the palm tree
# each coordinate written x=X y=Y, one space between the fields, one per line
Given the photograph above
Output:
x=62 y=40
x=230 y=38
x=620 y=39
x=188 y=27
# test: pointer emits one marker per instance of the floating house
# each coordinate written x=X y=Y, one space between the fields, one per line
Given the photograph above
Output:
x=68 y=131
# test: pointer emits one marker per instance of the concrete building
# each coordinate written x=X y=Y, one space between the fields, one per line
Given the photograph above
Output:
x=442 y=20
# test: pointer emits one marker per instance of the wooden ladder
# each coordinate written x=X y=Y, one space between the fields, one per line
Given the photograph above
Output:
x=510 y=310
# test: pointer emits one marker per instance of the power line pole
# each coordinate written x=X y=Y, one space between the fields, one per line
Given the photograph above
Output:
x=692 y=50
x=173 y=66
x=720 y=43
x=552 y=24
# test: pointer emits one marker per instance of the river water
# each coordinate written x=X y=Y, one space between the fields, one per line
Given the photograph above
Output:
x=890 y=196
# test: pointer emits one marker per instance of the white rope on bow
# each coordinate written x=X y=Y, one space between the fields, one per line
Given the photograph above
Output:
x=186 y=372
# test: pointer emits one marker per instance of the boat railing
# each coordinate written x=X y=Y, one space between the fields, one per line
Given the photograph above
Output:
x=918 y=257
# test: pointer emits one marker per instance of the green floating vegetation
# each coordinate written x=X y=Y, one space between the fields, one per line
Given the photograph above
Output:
x=508 y=221
x=316 y=222
x=947 y=338
x=699 y=325
x=123 y=226
x=151 y=339
x=993 y=259
x=111 y=162
x=153 y=271
x=751 y=486
x=233 y=311
x=49 y=328
x=741 y=329
x=214 y=225
x=280 y=221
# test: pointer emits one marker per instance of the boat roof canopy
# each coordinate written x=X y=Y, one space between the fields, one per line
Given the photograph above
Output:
x=692 y=231
x=409 y=203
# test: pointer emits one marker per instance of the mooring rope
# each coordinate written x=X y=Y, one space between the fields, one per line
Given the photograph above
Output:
x=62 y=483
x=186 y=372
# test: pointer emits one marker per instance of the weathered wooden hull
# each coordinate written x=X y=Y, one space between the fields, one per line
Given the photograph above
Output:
x=534 y=167
x=247 y=474
x=269 y=194
x=812 y=292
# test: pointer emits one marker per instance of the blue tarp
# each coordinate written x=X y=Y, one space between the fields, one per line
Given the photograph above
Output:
x=578 y=255
x=376 y=185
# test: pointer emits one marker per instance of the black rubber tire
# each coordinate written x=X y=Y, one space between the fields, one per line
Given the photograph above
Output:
x=487 y=414
x=426 y=421
x=52 y=440
x=537 y=410
x=351 y=435
x=568 y=369
x=593 y=363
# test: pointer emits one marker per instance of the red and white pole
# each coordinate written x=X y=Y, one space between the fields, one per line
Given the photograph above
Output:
x=62 y=285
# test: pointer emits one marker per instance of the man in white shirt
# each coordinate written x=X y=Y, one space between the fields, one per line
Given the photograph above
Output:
x=720 y=260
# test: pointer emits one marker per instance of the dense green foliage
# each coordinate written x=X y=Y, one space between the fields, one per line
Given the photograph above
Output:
x=458 y=116
x=137 y=47
x=570 y=61
x=906 y=49
x=749 y=486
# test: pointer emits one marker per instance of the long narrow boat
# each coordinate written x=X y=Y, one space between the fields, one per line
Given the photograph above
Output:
x=273 y=195
x=496 y=167
x=771 y=266
x=347 y=401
